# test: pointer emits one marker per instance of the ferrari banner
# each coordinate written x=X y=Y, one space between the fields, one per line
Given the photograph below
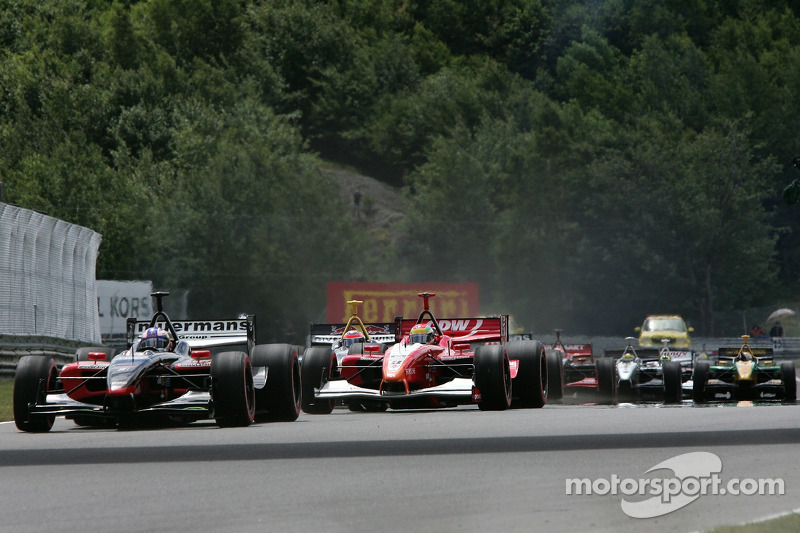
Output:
x=384 y=301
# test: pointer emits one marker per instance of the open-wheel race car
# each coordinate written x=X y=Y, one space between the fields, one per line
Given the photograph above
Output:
x=649 y=373
x=432 y=363
x=744 y=373
x=168 y=375
x=582 y=373
x=340 y=337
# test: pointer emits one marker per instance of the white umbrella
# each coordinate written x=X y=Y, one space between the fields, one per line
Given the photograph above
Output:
x=780 y=313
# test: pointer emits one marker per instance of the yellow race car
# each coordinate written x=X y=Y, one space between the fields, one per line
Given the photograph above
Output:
x=658 y=328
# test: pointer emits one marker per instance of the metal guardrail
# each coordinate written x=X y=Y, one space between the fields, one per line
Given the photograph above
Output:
x=13 y=347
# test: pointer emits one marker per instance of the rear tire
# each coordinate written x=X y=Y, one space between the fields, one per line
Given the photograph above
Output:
x=671 y=372
x=493 y=377
x=606 y=379
x=532 y=383
x=555 y=375
x=35 y=376
x=319 y=364
x=232 y=389
x=699 y=380
x=279 y=400
x=789 y=376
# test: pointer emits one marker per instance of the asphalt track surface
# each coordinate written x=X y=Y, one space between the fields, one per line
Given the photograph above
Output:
x=447 y=470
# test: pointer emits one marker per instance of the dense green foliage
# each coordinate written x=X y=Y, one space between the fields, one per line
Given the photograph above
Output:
x=586 y=163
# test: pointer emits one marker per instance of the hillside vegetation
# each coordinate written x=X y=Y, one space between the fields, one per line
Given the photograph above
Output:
x=585 y=162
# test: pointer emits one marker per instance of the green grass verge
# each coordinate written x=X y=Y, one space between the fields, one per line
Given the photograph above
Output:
x=6 y=393
x=785 y=524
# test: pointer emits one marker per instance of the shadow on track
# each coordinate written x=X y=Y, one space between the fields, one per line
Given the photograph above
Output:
x=396 y=448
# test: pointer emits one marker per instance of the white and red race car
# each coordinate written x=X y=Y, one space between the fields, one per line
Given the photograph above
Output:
x=239 y=383
x=582 y=373
x=463 y=361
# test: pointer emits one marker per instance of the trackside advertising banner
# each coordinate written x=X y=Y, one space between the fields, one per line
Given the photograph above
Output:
x=118 y=300
x=384 y=301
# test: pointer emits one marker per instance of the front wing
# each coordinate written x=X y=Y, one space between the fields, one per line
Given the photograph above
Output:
x=194 y=403
x=721 y=389
x=339 y=389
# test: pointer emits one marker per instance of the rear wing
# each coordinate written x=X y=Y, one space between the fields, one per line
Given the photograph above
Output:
x=575 y=350
x=484 y=329
x=332 y=333
x=643 y=353
x=200 y=333
x=759 y=353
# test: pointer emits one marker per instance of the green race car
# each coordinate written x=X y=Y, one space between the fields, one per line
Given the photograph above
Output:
x=745 y=373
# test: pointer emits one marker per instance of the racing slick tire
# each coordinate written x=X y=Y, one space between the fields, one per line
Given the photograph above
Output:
x=82 y=354
x=699 y=380
x=319 y=364
x=555 y=375
x=531 y=384
x=789 y=377
x=300 y=350
x=35 y=375
x=492 y=377
x=279 y=400
x=606 y=379
x=671 y=372
x=232 y=389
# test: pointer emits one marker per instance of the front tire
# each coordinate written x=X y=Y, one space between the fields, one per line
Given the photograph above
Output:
x=232 y=389
x=492 y=377
x=35 y=376
x=319 y=364
x=699 y=380
x=671 y=372
x=606 y=379
x=280 y=398
x=532 y=383
x=555 y=375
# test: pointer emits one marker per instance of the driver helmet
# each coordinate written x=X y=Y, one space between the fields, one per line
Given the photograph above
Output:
x=351 y=337
x=157 y=339
x=422 y=334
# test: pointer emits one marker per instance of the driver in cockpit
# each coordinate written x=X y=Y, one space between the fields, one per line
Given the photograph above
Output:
x=157 y=340
x=352 y=337
x=423 y=334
